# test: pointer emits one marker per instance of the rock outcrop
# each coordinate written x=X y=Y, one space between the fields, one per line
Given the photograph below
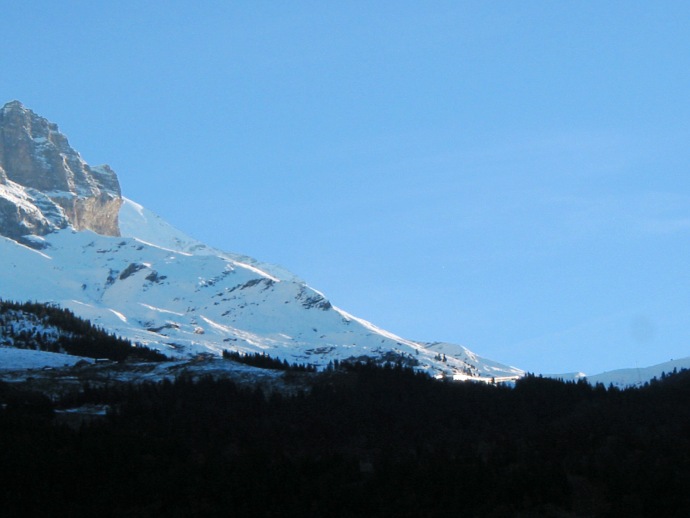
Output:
x=45 y=185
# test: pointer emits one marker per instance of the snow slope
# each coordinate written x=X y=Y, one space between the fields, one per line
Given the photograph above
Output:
x=22 y=359
x=635 y=377
x=161 y=288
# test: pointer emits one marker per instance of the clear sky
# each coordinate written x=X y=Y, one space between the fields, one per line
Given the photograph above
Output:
x=510 y=176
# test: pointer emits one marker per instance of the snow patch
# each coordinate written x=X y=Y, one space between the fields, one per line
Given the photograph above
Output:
x=119 y=315
x=20 y=359
x=161 y=310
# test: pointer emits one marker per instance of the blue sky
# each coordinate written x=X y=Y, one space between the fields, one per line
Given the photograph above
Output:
x=510 y=176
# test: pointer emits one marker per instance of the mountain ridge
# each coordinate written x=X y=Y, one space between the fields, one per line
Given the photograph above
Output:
x=154 y=285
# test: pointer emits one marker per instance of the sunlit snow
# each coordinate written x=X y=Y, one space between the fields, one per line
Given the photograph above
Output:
x=163 y=289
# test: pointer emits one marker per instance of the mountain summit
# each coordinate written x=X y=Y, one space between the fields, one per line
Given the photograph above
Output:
x=111 y=261
x=45 y=185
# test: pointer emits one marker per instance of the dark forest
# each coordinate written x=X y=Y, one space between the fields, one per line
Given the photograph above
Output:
x=359 y=440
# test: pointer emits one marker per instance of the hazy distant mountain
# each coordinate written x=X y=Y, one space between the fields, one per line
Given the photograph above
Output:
x=70 y=238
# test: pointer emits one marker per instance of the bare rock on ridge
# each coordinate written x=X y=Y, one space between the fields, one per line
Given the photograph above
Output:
x=46 y=185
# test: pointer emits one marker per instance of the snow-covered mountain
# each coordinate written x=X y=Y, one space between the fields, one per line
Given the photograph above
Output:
x=638 y=376
x=70 y=238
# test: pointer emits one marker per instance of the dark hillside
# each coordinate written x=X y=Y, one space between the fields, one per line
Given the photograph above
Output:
x=33 y=325
x=364 y=441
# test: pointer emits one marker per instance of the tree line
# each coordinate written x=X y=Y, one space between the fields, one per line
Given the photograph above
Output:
x=76 y=336
x=360 y=440
x=265 y=361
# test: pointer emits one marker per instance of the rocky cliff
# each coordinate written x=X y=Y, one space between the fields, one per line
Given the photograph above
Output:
x=45 y=185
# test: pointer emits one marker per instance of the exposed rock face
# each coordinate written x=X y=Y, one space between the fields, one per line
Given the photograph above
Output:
x=45 y=185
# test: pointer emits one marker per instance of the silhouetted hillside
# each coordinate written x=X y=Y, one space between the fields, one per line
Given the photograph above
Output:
x=362 y=441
